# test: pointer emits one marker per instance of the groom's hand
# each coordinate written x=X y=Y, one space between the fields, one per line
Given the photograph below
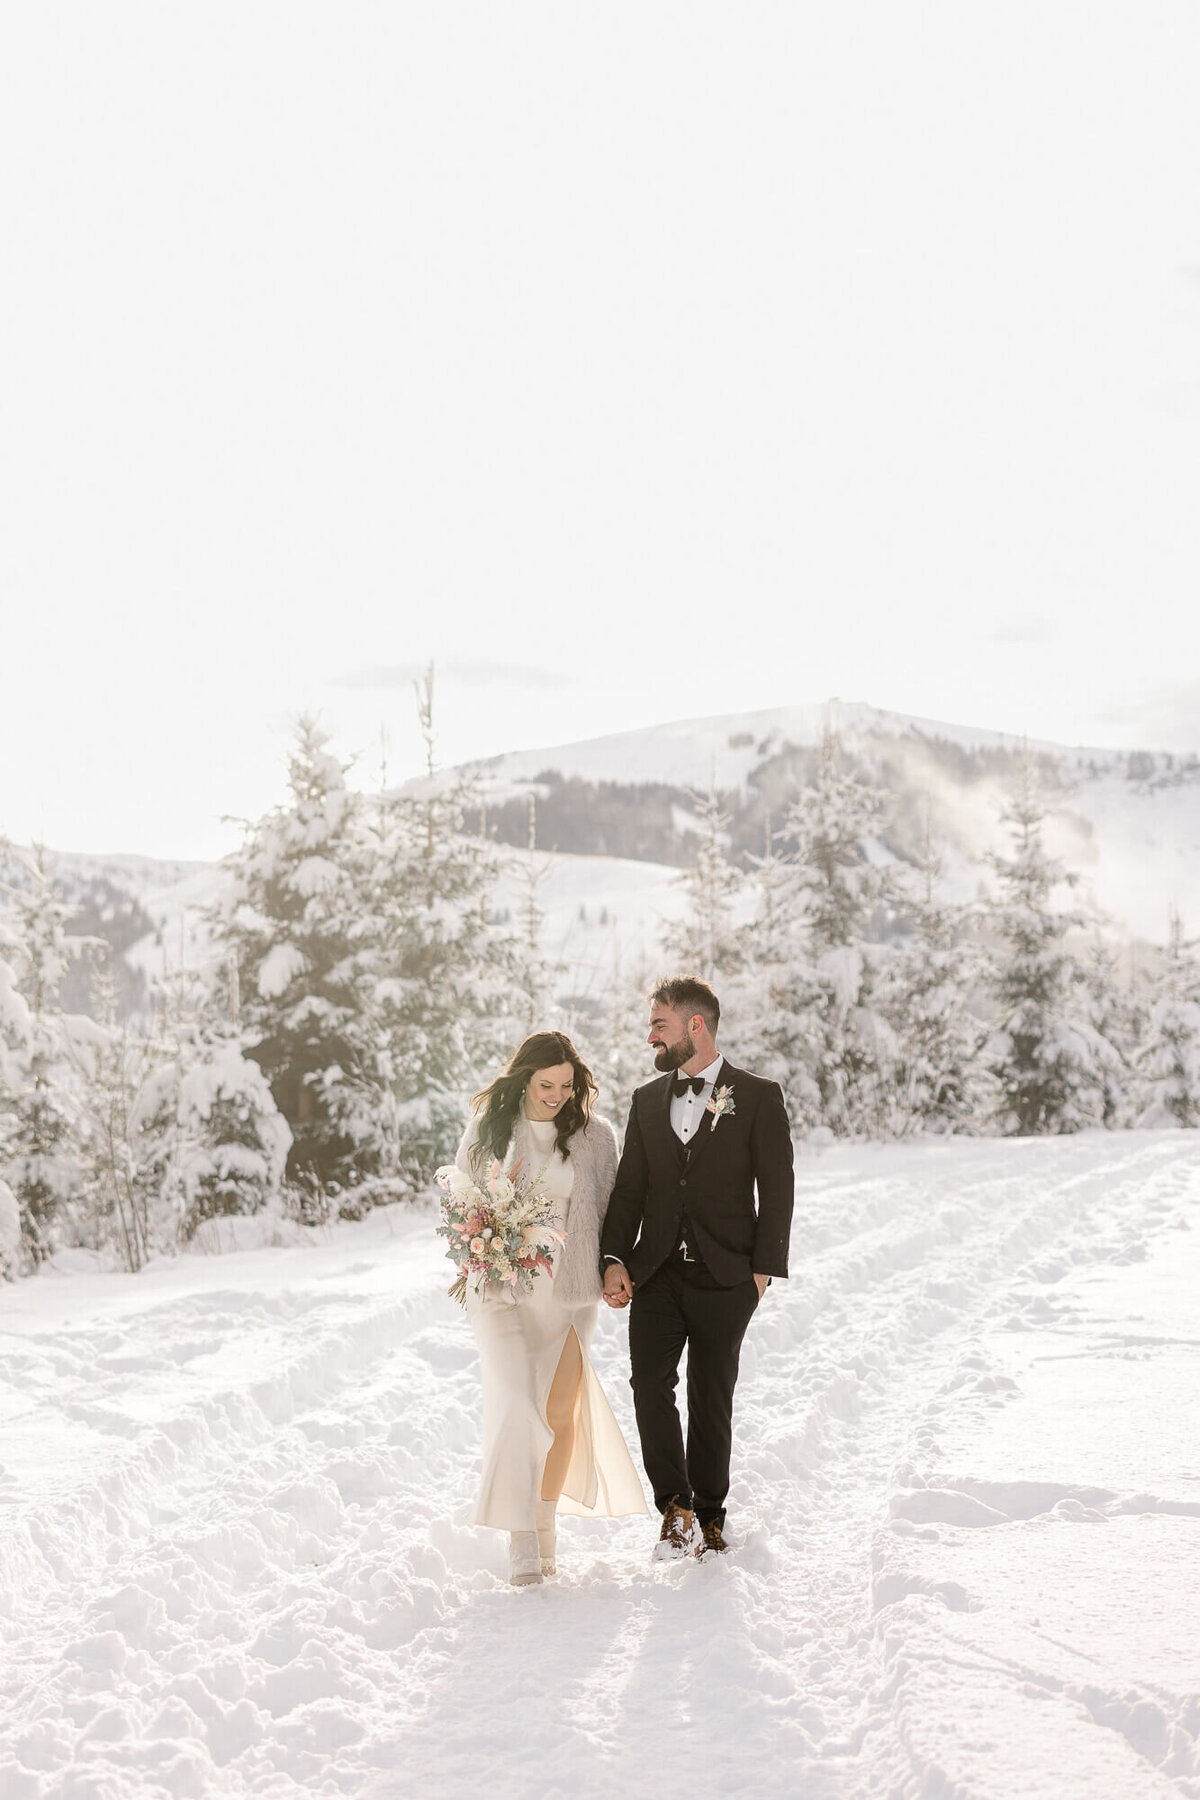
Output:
x=761 y=1282
x=618 y=1289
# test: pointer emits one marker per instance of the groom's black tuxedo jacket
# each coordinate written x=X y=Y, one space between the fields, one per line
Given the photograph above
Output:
x=658 y=1179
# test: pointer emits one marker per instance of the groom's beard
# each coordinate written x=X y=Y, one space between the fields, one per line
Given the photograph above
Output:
x=673 y=1056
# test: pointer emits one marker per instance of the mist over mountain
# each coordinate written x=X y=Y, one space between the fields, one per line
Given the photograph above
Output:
x=1127 y=821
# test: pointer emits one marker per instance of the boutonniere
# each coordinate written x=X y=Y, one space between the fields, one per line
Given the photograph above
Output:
x=720 y=1104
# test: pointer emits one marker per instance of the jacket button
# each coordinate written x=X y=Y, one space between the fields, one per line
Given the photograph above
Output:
x=683 y=1181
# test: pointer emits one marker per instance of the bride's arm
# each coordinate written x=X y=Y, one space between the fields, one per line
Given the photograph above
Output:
x=606 y=1166
x=628 y=1198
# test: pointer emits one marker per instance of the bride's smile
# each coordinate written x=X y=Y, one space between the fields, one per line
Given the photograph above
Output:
x=548 y=1091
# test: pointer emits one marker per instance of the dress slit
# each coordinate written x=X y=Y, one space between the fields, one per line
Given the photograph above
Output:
x=568 y=1371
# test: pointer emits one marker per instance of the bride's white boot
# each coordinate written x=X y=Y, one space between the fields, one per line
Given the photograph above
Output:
x=524 y=1558
x=544 y=1514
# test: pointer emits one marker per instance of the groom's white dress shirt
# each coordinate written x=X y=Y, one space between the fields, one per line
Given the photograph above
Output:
x=687 y=1108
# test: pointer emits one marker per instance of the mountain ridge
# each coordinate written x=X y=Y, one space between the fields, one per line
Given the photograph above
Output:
x=735 y=735
x=1126 y=821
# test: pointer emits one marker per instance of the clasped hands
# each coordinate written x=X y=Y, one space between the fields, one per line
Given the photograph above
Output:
x=618 y=1289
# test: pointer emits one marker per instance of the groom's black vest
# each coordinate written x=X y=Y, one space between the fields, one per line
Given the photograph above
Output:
x=711 y=1184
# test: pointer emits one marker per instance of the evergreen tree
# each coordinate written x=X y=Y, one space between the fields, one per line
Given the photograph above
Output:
x=40 y=1135
x=621 y=1059
x=301 y=928
x=830 y=824
x=14 y=1032
x=448 y=993
x=939 y=1083
x=824 y=1034
x=1170 y=1058
x=374 y=990
x=14 y=1044
x=771 y=1003
x=775 y=1017
x=208 y=1140
x=10 y=1234
x=1114 y=1009
x=710 y=940
x=1048 y=1058
x=532 y=975
x=208 y=1131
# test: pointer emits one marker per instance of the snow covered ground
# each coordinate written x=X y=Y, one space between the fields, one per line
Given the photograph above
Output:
x=965 y=1514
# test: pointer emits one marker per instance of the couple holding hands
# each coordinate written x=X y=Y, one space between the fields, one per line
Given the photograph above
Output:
x=672 y=1231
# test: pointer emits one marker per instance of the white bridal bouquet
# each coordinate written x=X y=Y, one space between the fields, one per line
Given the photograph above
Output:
x=497 y=1229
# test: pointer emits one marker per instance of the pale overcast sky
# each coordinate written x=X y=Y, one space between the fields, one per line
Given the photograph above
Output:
x=633 y=362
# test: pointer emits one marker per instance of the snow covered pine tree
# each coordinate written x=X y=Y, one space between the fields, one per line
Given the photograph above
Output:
x=940 y=1082
x=823 y=1017
x=1050 y=1062
x=208 y=1139
x=372 y=983
x=451 y=991
x=1170 y=1057
x=40 y=1159
x=304 y=944
x=709 y=939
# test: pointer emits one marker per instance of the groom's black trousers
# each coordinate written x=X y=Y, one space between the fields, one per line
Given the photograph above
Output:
x=679 y=1305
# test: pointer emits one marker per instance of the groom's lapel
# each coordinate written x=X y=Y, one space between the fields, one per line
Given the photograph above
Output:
x=663 y=1109
x=701 y=1140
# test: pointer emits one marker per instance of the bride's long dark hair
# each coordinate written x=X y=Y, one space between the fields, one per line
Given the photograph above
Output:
x=499 y=1104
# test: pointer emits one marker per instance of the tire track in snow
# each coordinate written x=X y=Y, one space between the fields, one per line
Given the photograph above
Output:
x=196 y=1500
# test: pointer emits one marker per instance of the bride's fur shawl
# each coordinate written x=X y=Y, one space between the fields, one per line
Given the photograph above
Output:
x=593 y=1156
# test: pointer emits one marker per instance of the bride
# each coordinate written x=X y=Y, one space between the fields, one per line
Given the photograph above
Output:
x=550 y=1442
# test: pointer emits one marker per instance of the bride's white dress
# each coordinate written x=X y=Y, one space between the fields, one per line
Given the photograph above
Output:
x=520 y=1342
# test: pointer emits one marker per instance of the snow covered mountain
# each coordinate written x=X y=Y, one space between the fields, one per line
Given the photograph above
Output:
x=1127 y=821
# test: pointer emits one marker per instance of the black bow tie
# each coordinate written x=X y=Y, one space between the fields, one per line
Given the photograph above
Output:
x=695 y=1082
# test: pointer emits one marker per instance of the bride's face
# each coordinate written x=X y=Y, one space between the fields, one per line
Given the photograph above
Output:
x=548 y=1091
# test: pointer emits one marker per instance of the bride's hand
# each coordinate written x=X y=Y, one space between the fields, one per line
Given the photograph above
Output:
x=618 y=1289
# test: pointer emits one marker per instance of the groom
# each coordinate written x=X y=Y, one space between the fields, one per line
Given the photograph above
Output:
x=685 y=1242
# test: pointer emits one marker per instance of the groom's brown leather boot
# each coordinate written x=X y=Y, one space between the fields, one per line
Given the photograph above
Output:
x=712 y=1541
x=674 y=1538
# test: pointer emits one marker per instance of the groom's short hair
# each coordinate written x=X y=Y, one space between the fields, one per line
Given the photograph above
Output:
x=687 y=994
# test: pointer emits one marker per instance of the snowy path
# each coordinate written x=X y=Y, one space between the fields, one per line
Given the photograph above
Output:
x=233 y=1559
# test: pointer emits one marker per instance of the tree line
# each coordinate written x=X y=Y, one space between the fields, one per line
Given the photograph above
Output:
x=359 y=984
x=363 y=979
x=884 y=1009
